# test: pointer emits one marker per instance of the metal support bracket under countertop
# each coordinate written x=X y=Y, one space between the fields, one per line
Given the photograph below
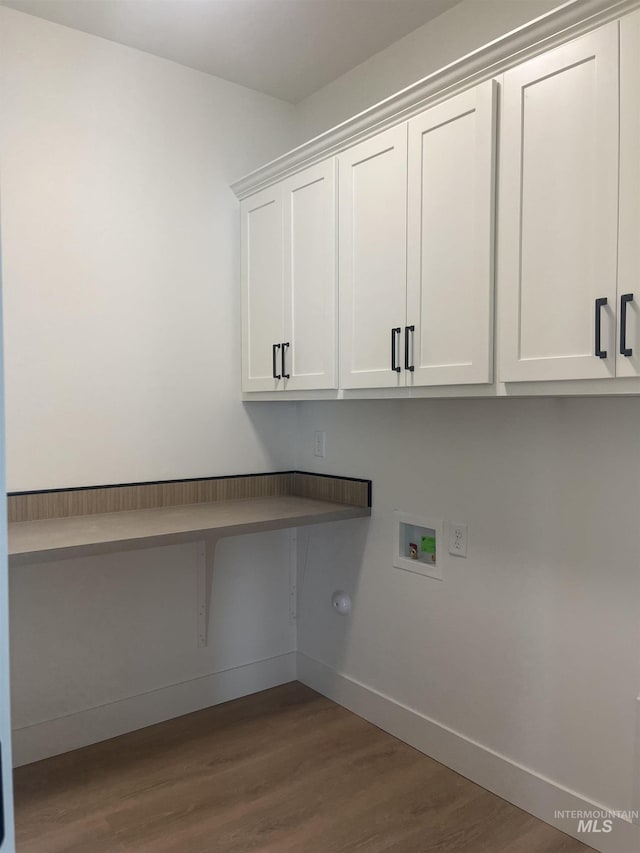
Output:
x=206 y=559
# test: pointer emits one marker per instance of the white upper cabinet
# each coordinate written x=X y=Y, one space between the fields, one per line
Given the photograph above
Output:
x=448 y=339
x=310 y=278
x=372 y=180
x=558 y=213
x=416 y=249
x=396 y=237
x=289 y=284
x=628 y=344
x=262 y=281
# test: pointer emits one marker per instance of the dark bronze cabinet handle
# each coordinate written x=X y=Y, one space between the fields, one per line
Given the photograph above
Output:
x=284 y=349
x=407 y=330
x=394 y=365
x=600 y=303
x=273 y=361
x=625 y=299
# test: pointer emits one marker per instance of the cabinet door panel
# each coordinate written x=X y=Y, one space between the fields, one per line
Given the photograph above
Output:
x=629 y=236
x=372 y=179
x=450 y=245
x=558 y=211
x=310 y=277
x=262 y=288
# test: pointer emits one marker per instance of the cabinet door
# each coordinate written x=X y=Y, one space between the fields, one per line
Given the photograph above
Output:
x=558 y=211
x=628 y=364
x=310 y=277
x=372 y=179
x=450 y=240
x=262 y=279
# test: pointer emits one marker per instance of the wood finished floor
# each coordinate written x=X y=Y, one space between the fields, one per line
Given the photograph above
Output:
x=283 y=771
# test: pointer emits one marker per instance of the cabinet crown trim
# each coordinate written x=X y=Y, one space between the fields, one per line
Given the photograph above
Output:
x=568 y=21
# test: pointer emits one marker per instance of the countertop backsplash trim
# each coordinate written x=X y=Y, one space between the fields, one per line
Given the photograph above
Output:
x=67 y=503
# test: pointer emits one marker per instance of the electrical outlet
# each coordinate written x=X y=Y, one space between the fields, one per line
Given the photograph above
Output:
x=319 y=443
x=458 y=540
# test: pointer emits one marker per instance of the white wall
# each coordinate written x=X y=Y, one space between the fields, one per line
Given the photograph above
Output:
x=530 y=647
x=121 y=262
x=105 y=645
x=461 y=29
x=121 y=268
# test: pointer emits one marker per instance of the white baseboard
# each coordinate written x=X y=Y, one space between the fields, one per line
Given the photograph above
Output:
x=497 y=773
x=52 y=737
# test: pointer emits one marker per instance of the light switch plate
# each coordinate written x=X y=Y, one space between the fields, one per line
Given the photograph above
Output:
x=319 y=443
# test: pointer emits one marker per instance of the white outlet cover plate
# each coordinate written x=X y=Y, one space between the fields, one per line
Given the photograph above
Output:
x=458 y=536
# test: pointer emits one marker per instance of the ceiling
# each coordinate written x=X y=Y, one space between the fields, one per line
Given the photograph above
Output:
x=285 y=48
